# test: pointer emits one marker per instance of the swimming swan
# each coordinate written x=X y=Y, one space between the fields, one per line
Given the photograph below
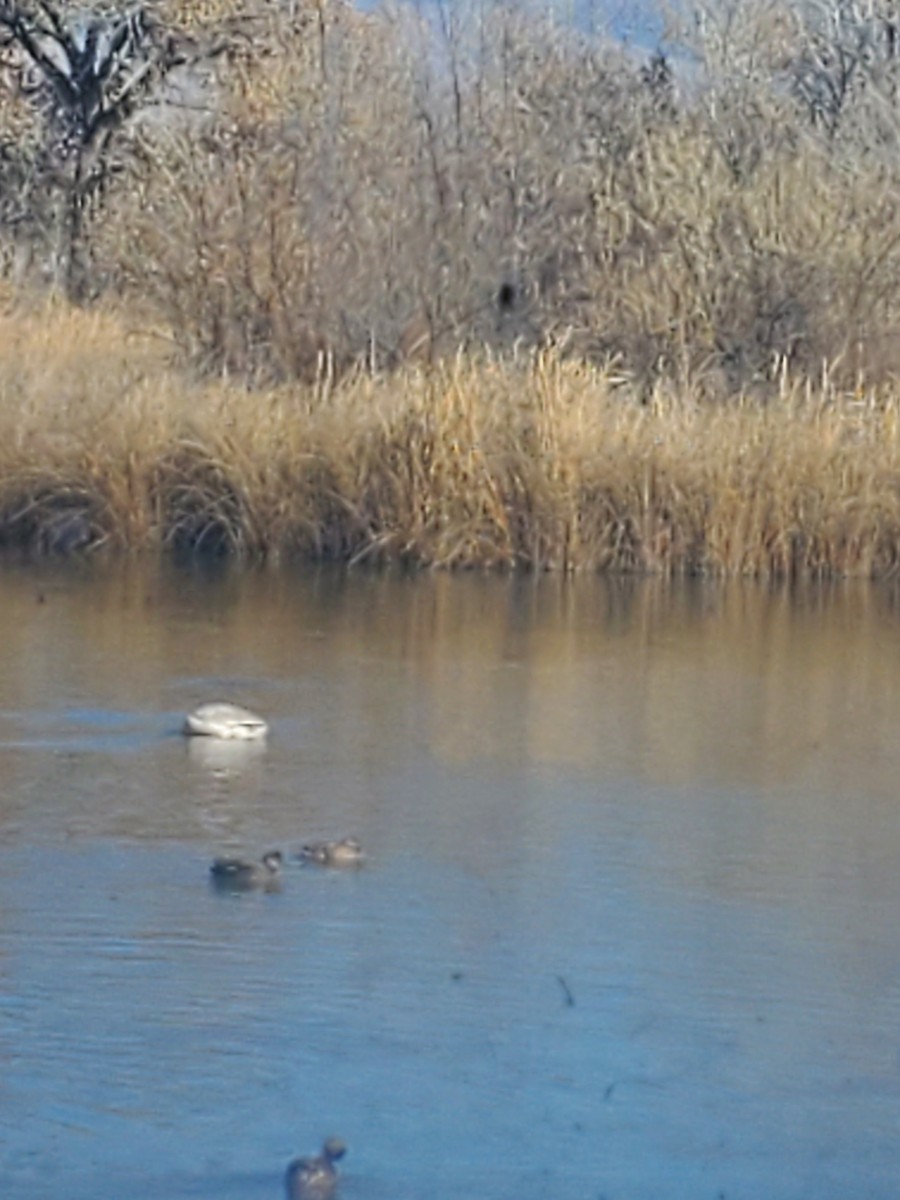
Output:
x=219 y=719
x=314 y=1178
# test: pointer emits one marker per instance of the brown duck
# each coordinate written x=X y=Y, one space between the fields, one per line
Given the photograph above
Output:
x=315 y=1178
x=345 y=853
x=234 y=874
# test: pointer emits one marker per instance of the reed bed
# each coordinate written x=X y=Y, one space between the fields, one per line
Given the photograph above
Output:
x=539 y=463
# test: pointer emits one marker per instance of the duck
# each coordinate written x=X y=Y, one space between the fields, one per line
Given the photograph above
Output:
x=315 y=1178
x=219 y=719
x=345 y=853
x=235 y=874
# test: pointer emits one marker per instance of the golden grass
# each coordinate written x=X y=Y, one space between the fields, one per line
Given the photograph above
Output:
x=538 y=463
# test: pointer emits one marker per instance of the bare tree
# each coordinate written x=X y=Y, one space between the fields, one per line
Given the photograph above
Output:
x=85 y=73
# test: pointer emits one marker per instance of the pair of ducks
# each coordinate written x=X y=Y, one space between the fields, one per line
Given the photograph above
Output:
x=315 y=1178
x=236 y=874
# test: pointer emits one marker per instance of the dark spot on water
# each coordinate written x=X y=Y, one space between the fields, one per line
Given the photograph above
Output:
x=568 y=997
x=608 y=1091
x=456 y=976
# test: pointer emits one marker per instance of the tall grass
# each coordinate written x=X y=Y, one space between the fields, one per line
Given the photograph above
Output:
x=539 y=462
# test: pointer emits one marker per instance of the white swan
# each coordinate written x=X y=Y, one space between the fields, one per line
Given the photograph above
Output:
x=219 y=719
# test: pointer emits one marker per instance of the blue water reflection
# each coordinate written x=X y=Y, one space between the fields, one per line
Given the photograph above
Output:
x=553 y=978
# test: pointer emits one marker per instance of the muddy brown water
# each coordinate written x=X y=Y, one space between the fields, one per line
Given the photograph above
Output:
x=628 y=928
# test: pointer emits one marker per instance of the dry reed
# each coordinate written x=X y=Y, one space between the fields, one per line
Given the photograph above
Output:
x=538 y=463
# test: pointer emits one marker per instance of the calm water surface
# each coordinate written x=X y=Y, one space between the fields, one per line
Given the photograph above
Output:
x=629 y=927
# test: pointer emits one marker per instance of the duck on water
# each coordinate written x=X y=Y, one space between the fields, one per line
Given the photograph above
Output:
x=346 y=853
x=237 y=875
x=315 y=1178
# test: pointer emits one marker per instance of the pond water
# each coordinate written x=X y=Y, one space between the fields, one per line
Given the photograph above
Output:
x=627 y=930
